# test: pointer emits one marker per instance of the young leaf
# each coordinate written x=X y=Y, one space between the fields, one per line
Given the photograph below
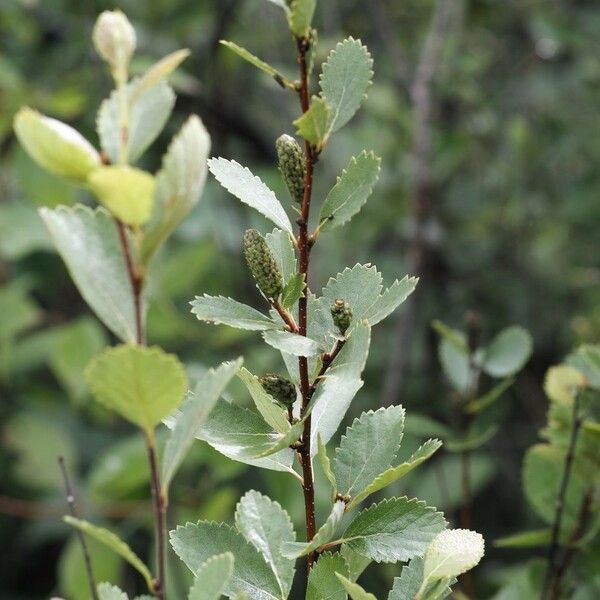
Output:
x=326 y=465
x=456 y=363
x=355 y=591
x=147 y=118
x=391 y=298
x=267 y=526
x=367 y=449
x=346 y=75
x=300 y=16
x=293 y=291
x=212 y=577
x=323 y=583
x=259 y=64
x=194 y=412
x=217 y=309
x=157 y=72
x=408 y=585
x=477 y=405
x=352 y=190
x=507 y=352
x=314 y=124
x=280 y=244
x=110 y=592
x=88 y=241
x=291 y=343
x=324 y=534
x=335 y=393
x=394 y=530
x=128 y=193
x=179 y=184
x=248 y=188
x=394 y=473
x=271 y=412
x=142 y=384
x=452 y=553
x=195 y=543
x=108 y=538
x=55 y=146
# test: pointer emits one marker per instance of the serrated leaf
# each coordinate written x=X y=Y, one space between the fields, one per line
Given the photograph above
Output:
x=324 y=534
x=355 y=591
x=408 y=585
x=300 y=16
x=293 y=291
x=147 y=118
x=267 y=526
x=346 y=75
x=218 y=309
x=128 y=193
x=367 y=449
x=315 y=124
x=88 y=242
x=108 y=538
x=194 y=412
x=212 y=577
x=507 y=352
x=452 y=553
x=359 y=286
x=249 y=188
x=355 y=562
x=292 y=343
x=525 y=539
x=326 y=465
x=351 y=191
x=336 y=391
x=55 y=146
x=272 y=413
x=280 y=244
x=394 y=530
x=110 y=592
x=323 y=583
x=179 y=184
x=258 y=63
x=157 y=72
x=392 y=474
x=195 y=543
x=142 y=384
x=477 y=405
x=391 y=298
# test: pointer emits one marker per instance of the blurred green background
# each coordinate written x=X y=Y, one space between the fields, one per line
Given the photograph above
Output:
x=486 y=116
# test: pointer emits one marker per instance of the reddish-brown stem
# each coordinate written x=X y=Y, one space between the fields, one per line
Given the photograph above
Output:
x=287 y=318
x=326 y=360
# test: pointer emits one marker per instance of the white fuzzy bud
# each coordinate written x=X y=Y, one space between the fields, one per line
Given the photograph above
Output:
x=115 y=40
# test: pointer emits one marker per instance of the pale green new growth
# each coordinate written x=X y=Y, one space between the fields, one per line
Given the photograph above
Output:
x=212 y=577
x=315 y=124
x=300 y=16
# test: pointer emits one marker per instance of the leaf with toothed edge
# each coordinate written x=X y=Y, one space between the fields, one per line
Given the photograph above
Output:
x=356 y=562
x=391 y=298
x=250 y=189
x=212 y=577
x=355 y=591
x=323 y=583
x=266 y=525
x=110 y=592
x=226 y=311
x=407 y=586
x=291 y=343
x=314 y=125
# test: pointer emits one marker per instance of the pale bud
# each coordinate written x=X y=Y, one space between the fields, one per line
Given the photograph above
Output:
x=115 y=40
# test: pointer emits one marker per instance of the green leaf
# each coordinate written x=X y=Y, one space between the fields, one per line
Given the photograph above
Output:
x=422 y=426
x=142 y=384
x=267 y=526
x=352 y=190
x=326 y=465
x=452 y=553
x=280 y=244
x=355 y=591
x=194 y=412
x=148 y=115
x=195 y=543
x=108 y=538
x=128 y=193
x=392 y=474
x=323 y=583
x=212 y=577
x=408 y=585
x=507 y=353
x=259 y=64
x=525 y=539
x=179 y=184
x=587 y=360
x=367 y=449
x=55 y=146
x=217 y=310
x=248 y=188
x=454 y=336
x=336 y=391
x=157 y=72
x=391 y=298
x=292 y=343
x=281 y=4
x=270 y=410
x=476 y=406
x=88 y=242
x=293 y=291
x=394 y=530
x=346 y=75
x=563 y=383
x=314 y=125
x=473 y=440
x=111 y=592
x=323 y=535
x=300 y=16
x=356 y=562
x=456 y=363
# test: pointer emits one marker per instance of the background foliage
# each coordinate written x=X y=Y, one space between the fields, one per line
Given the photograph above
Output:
x=498 y=212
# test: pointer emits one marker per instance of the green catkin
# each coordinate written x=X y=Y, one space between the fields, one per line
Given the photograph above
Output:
x=291 y=165
x=262 y=264
x=342 y=315
x=280 y=388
